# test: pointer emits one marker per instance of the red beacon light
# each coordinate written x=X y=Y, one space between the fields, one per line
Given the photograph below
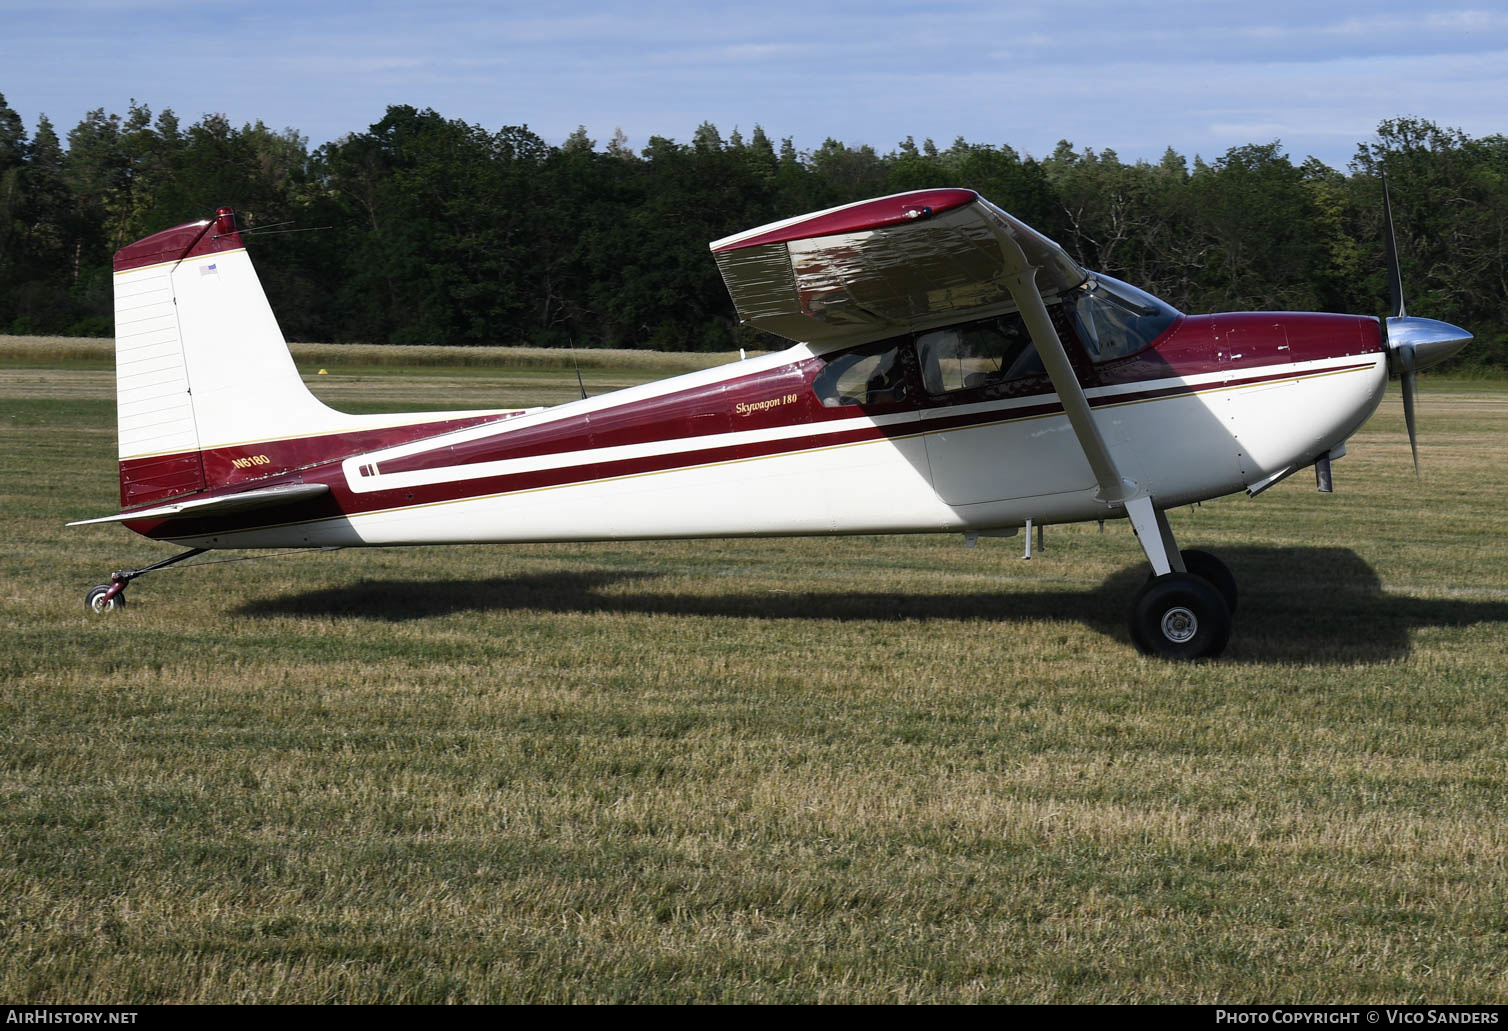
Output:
x=225 y=221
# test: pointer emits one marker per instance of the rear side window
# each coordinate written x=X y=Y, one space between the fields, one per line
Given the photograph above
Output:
x=975 y=355
x=869 y=375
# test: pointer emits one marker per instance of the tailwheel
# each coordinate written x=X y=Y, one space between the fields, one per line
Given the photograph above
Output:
x=105 y=598
x=111 y=596
x=1181 y=616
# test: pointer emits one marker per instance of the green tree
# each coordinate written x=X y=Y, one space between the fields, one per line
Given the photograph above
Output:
x=1450 y=208
x=13 y=155
x=1259 y=219
x=847 y=173
x=39 y=290
x=907 y=169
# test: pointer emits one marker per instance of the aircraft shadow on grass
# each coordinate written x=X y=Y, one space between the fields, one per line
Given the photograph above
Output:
x=1300 y=605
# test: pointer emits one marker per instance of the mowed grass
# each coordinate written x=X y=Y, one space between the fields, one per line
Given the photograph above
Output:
x=839 y=770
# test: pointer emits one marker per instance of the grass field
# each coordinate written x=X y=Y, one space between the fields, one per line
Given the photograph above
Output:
x=848 y=770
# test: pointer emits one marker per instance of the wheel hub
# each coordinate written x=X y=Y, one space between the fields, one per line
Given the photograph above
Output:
x=1179 y=624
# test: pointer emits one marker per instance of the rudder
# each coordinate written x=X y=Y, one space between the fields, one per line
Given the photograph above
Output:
x=201 y=365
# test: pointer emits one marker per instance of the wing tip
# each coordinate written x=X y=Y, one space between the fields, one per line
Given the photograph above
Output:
x=877 y=213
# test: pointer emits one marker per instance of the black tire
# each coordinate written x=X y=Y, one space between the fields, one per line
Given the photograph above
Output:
x=1203 y=564
x=1207 y=566
x=95 y=600
x=1180 y=616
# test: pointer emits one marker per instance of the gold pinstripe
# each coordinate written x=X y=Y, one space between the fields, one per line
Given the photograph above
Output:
x=1214 y=388
x=180 y=261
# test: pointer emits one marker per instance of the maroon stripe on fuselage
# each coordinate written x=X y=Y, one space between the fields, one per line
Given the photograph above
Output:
x=267 y=459
x=145 y=480
x=1192 y=347
x=1238 y=345
x=1197 y=345
x=764 y=400
x=343 y=502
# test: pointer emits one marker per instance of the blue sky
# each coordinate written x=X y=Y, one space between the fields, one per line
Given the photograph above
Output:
x=1135 y=77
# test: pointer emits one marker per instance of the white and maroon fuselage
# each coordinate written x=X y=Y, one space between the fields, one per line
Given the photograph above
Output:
x=1218 y=403
x=958 y=371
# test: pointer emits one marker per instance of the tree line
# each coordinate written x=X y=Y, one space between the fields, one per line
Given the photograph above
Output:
x=445 y=232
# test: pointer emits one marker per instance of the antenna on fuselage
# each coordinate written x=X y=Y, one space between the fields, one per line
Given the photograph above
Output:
x=577 y=365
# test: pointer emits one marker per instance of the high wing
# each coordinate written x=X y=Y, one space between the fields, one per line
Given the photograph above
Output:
x=266 y=497
x=893 y=263
x=910 y=260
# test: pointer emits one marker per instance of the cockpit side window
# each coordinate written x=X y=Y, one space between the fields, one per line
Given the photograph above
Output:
x=977 y=354
x=868 y=375
x=1115 y=319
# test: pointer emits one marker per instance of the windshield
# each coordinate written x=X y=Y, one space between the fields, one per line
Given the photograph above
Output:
x=1115 y=319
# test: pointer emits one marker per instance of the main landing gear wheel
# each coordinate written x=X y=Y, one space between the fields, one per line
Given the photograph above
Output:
x=1203 y=564
x=99 y=599
x=1206 y=566
x=1180 y=616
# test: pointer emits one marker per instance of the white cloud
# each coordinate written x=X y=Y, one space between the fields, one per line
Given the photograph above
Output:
x=1135 y=77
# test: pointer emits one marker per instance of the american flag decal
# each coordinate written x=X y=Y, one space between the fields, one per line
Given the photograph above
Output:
x=208 y=270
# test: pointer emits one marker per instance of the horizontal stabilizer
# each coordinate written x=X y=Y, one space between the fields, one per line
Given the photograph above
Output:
x=266 y=497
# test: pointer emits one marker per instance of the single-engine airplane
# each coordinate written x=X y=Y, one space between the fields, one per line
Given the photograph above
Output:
x=954 y=371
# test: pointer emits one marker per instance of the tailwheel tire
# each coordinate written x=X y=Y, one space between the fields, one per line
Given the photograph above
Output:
x=1203 y=564
x=95 y=600
x=1180 y=616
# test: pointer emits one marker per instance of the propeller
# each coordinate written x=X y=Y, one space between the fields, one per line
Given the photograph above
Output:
x=1412 y=343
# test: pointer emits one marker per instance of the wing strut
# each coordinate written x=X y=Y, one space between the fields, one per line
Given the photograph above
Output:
x=1114 y=488
x=1151 y=523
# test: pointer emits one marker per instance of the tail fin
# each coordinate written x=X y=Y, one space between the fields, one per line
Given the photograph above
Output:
x=201 y=366
x=207 y=393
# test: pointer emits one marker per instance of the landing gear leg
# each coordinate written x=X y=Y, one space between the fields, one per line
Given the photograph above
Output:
x=1184 y=611
x=112 y=595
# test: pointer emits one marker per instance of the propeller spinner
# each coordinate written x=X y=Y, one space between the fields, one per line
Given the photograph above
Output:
x=1412 y=343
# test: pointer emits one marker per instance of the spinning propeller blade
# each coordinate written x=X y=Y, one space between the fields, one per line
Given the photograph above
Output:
x=1408 y=380
x=1412 y=343
x=1395 y=273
